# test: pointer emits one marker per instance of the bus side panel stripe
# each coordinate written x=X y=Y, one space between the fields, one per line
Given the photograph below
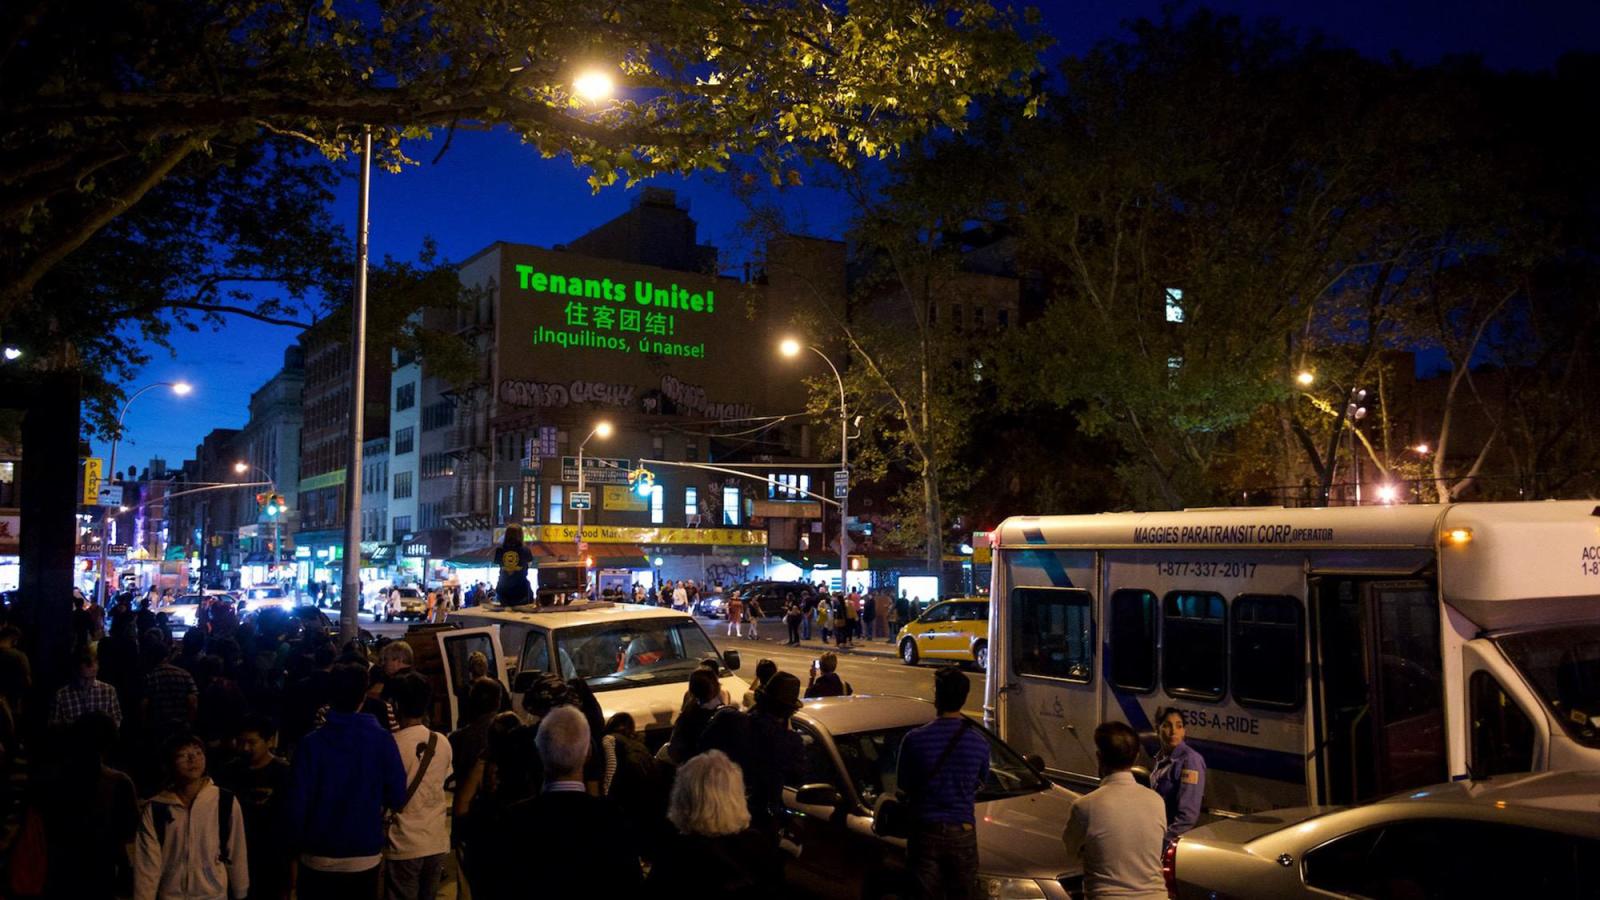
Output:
x=1274 y=764
x=1050 y=562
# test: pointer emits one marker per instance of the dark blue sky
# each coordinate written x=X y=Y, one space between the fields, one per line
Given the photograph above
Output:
x=490 y=187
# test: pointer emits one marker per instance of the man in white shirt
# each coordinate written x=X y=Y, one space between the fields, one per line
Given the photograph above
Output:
x=419 y=834
x=1117 y=829
x=680 y=597
x=191 y=843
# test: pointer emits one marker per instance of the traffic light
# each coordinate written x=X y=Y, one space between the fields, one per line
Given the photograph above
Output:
x=643 y=481
x=272 y=504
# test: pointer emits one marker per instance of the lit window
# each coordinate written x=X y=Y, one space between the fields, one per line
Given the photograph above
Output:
x=691 y=503
x=1174 y=304
x=556 y=492
x=658 y=511
x=730 y=505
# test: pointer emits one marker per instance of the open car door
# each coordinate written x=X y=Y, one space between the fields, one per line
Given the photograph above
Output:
x=456 y=647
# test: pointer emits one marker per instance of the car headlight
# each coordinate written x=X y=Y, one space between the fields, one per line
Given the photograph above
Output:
x=1002 y=888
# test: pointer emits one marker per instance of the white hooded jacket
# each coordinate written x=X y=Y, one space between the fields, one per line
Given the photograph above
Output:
x=185 y=861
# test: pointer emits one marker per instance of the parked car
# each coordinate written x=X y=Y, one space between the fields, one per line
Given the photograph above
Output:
x=852 y=750
x=953 y=629
x=404 y=603
x=772 y=595
x=1532 y=835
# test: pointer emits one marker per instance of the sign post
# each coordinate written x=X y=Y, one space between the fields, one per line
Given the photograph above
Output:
x=581 y=500
x=91 y=480
x=841 y=485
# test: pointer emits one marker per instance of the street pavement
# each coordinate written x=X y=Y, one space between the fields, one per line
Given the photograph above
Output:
x=871 y=667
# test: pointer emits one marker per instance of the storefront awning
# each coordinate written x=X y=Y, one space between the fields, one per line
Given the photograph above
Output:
x=606 y=556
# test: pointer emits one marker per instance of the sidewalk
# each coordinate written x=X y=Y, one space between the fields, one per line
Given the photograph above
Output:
x=774 y=632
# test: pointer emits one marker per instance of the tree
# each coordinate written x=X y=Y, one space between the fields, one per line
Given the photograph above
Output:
x=102 y=105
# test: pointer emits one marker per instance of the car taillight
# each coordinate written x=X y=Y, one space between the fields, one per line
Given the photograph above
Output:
x=1169 y=868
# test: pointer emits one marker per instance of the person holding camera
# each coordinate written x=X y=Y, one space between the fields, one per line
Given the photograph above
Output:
x=825 y=680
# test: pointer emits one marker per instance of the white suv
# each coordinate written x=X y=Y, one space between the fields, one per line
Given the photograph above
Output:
x=637 y=659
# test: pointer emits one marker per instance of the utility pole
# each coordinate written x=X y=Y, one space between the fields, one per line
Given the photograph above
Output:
x=350 y=604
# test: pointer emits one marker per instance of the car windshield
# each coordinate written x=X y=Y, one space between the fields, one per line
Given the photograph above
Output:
x=1563 y=665
x=186 y=600
x=629 y=654
x=872 y=759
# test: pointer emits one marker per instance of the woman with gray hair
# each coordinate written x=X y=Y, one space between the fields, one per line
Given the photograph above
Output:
x=715 y=852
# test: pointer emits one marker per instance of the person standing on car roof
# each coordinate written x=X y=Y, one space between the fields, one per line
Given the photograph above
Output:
x=942 y=765
x=1179 y=776
x=513 y=588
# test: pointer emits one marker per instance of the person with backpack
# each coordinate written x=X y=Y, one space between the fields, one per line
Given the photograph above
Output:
x=191 y=841
x=419 y=833
x=942 y=765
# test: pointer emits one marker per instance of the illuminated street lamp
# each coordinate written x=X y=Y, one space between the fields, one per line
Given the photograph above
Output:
x=791 y=348
x=1305 y=378
x=603 y=431
x=594 y=85
x=180 y=388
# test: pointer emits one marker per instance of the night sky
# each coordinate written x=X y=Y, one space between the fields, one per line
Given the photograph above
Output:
x=490 y=187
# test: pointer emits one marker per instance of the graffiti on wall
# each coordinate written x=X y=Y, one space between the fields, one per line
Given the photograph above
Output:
x=554 y=395
x=691 y=398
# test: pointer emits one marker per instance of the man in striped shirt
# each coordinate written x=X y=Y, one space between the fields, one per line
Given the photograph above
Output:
x=942 y=765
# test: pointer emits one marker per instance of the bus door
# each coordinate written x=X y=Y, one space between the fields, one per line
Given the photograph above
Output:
x=1050 y=706
x=1379 y=687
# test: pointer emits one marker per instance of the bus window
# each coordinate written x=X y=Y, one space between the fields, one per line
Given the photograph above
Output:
x=1268 y=651
x=1133 y=640
x=1502 y=736
x=1053 y=633
x=1194 y=644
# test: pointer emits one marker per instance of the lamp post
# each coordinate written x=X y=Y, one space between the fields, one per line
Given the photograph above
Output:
x=603 y=429
x=272 y=485
x=791 y=348
x=181 y=388
x=1354 y=412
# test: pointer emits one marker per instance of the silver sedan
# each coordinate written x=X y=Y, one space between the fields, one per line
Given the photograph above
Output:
x=1509 y=836
x=852 y=749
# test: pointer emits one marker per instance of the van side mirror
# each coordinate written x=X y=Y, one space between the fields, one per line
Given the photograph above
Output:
x=730 y=658
x=1034 y=761
x=525 y=681
x=818 y=795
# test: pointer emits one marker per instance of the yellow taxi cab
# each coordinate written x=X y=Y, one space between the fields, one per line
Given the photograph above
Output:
x=951 y=630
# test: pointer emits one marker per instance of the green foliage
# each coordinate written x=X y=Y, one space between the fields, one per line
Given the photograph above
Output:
x=102 y=104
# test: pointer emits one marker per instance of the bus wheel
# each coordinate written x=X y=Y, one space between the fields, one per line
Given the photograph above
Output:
x=908 y=652
x=980 y=656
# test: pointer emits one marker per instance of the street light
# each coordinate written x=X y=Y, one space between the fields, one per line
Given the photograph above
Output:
x=1305 y=378
x=180 y=388
x=594 y=85
x=791 y=348
x=277 y=525
x=603 y=431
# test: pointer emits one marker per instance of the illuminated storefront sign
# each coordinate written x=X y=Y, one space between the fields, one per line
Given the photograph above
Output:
x=622 y=534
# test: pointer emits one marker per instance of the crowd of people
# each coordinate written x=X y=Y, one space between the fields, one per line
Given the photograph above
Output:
x=257 y=758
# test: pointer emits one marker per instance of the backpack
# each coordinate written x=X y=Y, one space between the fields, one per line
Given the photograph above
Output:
x=161 y=817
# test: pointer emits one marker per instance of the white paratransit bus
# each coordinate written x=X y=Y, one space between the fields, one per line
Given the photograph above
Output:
x=1319 y=656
